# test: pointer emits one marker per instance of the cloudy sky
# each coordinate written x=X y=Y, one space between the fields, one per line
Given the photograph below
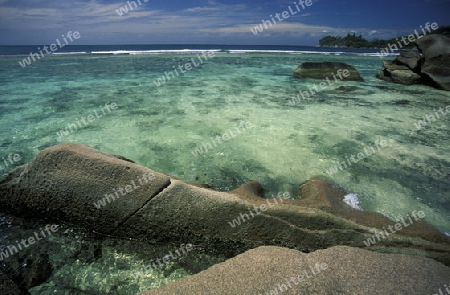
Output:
x=35 y=22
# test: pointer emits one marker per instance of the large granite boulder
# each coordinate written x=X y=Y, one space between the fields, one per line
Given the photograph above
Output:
x=438 y=70
x=327 y=70
x=436 y=61
x=398 y=73
x=65 y=182
x=337 y=270
x=432 y=68
x=432 y=46
x=411 y=59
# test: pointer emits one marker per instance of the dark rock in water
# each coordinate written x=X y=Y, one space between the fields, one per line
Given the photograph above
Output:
x=432 y=68
x=89 y=252
x=409 y=58
x=8 y=287
x=38 y=272
x=354 y=90
x=337 y=270
x=28 y=268
x=399 y=74
x=384 y=88
x=64 y=182
x=401 y=102
x=348 y=88
x=331 y=70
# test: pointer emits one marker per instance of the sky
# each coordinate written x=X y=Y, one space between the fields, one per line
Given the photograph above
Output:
x=36 y=22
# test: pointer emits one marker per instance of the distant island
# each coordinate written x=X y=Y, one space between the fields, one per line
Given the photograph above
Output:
x=353 y=41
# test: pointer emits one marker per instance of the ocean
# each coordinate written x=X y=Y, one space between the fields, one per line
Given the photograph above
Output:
x=225 y=115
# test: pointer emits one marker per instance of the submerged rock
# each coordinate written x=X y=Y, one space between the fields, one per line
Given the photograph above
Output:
x=327 y=70
x=349 y=88
x=398 y=73
x=337 y=270
x=7 y=286
x=39 y=271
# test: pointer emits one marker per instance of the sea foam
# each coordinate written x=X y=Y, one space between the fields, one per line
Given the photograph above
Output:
x=353 y=201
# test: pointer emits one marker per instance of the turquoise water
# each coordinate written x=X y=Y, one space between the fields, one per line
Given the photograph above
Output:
x=83 y=263
x=245 y=99
x=160 y=127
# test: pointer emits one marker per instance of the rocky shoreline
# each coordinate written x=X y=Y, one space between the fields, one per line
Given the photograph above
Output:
x=63 y=183
x=431 y=68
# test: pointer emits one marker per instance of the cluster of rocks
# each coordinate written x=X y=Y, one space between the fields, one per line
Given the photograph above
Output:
x=431 y=67
x=63 y=183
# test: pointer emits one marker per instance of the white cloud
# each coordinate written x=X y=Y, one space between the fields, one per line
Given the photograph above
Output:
x=45 y=20
x=297 y=28
x=202 y=9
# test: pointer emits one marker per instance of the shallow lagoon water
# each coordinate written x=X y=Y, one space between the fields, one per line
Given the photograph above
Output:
x=160 y=127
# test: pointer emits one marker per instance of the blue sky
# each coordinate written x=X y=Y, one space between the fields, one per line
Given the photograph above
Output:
x=34 y=22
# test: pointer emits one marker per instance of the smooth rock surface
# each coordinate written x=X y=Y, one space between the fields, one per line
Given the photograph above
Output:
x=62 y=183
x=436 y=61
x=337 y=270
x=409 y=58
x=320 y=194
x=324 y=70
x=397 y=73
x=434 y=45
x=438 y=70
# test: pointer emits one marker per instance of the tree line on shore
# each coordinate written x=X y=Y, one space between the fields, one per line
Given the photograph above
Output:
x=353 y=41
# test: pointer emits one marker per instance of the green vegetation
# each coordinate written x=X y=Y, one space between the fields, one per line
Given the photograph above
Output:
x=351 y=40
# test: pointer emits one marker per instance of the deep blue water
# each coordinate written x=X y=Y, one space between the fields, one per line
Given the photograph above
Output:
x=24 y=50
